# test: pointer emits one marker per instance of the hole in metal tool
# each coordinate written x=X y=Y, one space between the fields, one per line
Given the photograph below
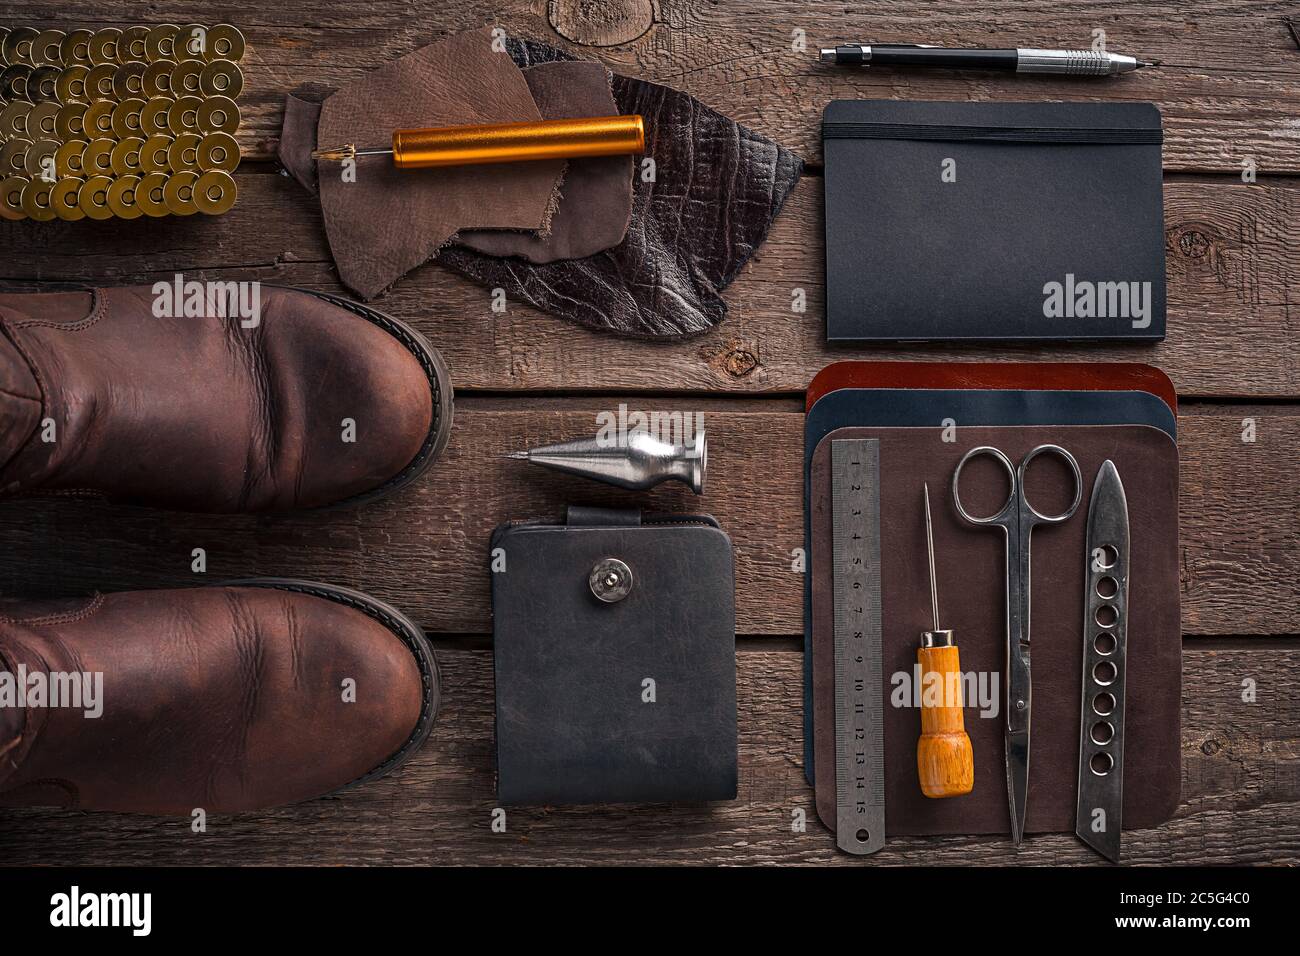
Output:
x=1104 y=673
x=862 y=836
x=1104 y=557
x=1104 y=643
x=1103 y=732
x=1101 y=763
x=1103 y=705
x=1107 y=616
x=1107 y=588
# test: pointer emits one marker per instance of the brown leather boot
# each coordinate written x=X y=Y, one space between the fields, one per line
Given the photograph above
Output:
x=224 y=698
x=315 y=401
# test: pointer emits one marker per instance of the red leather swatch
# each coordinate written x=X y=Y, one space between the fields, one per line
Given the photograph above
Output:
x=1064 y=376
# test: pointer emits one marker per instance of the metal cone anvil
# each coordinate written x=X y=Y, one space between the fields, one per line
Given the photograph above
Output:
x=641 y=462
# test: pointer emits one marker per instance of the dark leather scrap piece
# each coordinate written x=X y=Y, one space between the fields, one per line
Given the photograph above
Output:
x=717 y=188
x=389 y=221
x=298 y=134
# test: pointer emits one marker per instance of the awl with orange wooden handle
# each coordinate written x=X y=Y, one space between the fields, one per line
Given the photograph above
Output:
x=503 y=142
x=944 y=760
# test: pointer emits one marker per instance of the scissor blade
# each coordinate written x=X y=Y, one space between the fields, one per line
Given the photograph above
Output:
x=1017 y=747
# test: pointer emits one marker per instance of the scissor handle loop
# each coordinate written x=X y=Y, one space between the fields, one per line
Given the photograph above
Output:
x=1004 y=515
x=1039 y=517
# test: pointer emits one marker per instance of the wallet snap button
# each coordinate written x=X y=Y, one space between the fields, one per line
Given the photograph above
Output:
x=610 y=580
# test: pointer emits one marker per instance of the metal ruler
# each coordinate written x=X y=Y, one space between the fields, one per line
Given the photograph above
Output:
x=859 y=701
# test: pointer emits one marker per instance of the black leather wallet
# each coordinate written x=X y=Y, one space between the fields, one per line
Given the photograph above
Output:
x=993 y=221
x=614 y=642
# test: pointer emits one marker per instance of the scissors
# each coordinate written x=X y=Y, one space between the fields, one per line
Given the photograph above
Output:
x=1017 y=518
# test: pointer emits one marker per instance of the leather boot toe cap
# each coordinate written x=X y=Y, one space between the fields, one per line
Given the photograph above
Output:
x=368 y=417
x=343 y=696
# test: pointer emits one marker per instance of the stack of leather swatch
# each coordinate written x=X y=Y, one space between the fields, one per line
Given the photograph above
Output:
x=926 y=417
x=637 y=245
x=118 y=122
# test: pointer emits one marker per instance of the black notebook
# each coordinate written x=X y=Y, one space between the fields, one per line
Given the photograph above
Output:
x=993 y=221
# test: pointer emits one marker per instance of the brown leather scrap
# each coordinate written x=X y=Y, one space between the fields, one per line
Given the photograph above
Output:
x=389 y=221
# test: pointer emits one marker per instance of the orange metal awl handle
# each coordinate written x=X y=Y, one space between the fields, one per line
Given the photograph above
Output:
x=515 y=142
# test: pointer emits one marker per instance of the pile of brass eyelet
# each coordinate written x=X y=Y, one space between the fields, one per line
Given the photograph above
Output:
x=97 y=124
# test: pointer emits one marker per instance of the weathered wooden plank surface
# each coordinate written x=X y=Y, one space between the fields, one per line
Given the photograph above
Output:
x=425 y=550
x=1229 y=86
x=1240 y=784
x=1232 y=266
x=1229 y=92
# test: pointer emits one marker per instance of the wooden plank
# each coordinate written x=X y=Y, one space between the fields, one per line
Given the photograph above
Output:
x=425 y=550
x=1232 y=290
x=1229 y=84
x=1240 y=785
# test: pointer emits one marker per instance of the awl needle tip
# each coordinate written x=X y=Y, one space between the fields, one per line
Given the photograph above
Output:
x=929 y=543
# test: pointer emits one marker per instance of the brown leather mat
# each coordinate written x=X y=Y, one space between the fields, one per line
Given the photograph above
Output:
x=970 y=571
